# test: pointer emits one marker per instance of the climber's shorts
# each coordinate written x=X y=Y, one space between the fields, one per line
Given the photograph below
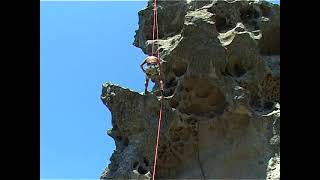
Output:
x=152 y=73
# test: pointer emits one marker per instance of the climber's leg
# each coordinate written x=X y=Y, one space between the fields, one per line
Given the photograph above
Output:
x=159 y=84
x=146 y=82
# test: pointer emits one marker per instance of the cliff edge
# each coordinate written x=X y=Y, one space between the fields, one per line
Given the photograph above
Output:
x=223 y=72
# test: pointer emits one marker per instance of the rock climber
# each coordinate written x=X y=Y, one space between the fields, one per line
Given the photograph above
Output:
x=152 y=72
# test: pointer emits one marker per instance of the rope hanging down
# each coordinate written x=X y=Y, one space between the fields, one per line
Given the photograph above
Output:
x=155 y=32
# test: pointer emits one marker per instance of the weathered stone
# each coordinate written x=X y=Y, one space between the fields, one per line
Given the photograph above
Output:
x=222 y=71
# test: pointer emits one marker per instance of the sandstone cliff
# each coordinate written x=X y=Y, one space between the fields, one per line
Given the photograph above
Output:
x=223 y=72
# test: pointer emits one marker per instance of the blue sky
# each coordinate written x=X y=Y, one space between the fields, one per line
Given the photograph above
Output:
x=83 y=45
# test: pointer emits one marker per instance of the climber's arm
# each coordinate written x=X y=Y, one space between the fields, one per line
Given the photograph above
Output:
x=141 y=66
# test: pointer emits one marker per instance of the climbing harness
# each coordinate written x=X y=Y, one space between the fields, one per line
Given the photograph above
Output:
x=155 y=32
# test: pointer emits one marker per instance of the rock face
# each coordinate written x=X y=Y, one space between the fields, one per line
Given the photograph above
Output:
x=222 y=69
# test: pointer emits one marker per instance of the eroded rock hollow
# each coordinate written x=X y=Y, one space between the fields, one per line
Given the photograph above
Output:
x=222 y=69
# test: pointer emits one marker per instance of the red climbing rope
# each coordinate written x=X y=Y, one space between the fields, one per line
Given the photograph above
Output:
x=155 y=28
x=158 y=138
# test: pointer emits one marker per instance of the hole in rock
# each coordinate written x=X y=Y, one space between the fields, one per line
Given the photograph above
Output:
x=135 y=164
x=173 y=103
x=172 y=82
x=146 y=162
x=268 y=105
x=249 y=13
x=179 y=68
x=265 y=10
x=221 y=23
x=141 y=170
x=207 y=94
x=238 y=70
